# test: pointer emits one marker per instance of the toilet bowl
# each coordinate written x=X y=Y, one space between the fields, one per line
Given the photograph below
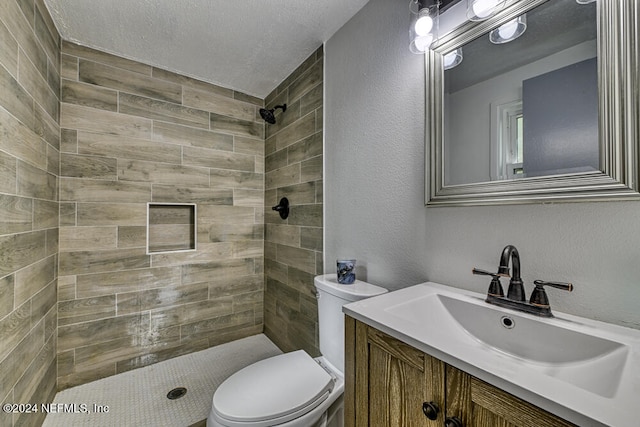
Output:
x=294 y=389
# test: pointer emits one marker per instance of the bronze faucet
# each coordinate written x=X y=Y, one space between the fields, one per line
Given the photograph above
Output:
x=516 y=288
x=538 y=303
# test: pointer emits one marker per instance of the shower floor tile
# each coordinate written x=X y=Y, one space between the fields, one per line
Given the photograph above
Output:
x=138 y=398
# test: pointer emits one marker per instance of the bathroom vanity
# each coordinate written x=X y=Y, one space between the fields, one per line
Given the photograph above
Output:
x=435 y=355
x=390 y=383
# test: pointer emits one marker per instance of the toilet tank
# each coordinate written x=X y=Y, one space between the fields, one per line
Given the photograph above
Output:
x=331 y=297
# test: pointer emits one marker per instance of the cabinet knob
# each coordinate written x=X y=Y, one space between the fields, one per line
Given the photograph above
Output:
x=430 y=410
x=452 y=422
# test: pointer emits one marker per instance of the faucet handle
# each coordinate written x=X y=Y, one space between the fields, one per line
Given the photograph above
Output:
x=558 y=285
x=495 y=287
x=539 y=296
x=484 y=272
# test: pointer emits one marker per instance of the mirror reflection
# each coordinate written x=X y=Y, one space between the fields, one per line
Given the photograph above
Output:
x=524 y=104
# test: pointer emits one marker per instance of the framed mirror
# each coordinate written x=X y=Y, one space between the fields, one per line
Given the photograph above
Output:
x=551 y=116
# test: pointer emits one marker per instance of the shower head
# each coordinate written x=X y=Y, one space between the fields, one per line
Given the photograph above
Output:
x=268 y=115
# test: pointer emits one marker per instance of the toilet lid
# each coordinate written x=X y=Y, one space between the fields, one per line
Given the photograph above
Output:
x=272 y=388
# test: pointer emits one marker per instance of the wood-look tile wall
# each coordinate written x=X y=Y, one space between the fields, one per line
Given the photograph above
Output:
x=293 y=247
x=133 y=134
x=29 y=163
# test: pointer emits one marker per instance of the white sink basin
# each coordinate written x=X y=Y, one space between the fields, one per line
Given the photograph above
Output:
x=587 y=361
x=580 y=369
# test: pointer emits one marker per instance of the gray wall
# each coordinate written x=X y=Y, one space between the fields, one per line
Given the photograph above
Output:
x=374 y=203
x=561 y=120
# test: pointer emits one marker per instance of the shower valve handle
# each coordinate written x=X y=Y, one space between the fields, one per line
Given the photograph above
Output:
x=282 y=208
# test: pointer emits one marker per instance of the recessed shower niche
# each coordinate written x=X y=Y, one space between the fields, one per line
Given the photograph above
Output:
x=171 y=227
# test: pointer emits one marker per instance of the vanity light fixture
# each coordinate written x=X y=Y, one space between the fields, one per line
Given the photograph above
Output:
x=585 y=1
x=479 y=10
x=424 y=24
x=452 y=58
x=509 y=31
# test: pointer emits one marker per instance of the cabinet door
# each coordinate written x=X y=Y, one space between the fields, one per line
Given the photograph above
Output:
x=387 y=382
x=392 y=381
x=478 y=404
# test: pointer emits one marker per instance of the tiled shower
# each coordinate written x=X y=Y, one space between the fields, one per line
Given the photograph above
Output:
x=88 y=139
x=293 y=247
x=29 y=169
x=132 y=134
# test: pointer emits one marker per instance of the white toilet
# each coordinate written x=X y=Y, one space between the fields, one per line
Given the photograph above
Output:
x=294 y=389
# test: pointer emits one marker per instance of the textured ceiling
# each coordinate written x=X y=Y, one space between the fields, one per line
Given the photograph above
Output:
x=247 y=45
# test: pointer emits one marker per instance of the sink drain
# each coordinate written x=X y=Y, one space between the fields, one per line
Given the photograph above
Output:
x=176 y=393
x=508 y=322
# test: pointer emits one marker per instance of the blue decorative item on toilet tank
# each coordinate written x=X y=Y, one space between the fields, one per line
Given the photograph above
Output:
x=346 y=271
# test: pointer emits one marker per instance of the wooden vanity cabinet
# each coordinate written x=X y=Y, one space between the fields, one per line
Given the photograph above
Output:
x=387 y=382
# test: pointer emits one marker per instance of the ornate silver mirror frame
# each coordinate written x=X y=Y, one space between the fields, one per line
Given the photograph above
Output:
x=619 y=115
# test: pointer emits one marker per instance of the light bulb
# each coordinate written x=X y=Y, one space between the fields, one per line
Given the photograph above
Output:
x=508 y=30
x=452 y=59
x=449 y=59
x=484 y=8
x=423 y=25
x=422 y=43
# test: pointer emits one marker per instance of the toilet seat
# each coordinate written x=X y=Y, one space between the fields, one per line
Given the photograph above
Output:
x=272 y=391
